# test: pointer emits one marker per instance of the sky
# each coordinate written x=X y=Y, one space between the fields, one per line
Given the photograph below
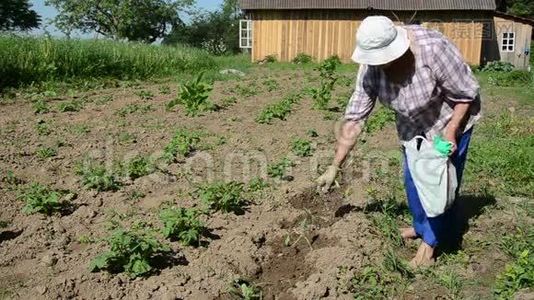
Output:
x=47 y=13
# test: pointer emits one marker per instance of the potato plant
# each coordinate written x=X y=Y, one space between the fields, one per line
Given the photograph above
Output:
x=46 y=152
x=221 y=196
x=302 y=148
x=194 y=96
x=130 y=251
x=134 y=108
x=95 y=176
x=70 y=106
x=257 y=184
x=278 y=110
x=322 y=95
x=40 y=106
x=245 y=290
x=138 y=166
x=41 y=199
x=183 y=143
x=182 y=224
x=278 y=170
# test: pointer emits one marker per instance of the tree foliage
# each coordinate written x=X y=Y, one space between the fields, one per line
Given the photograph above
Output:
x=133 y=20
x=524 y=8
x=216 y=32
x=17 y=15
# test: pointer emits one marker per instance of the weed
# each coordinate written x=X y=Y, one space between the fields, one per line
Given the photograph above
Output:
x=498 y=66
x=278 y=110
x=302 y=148
x=393 y=263
x=515 y=243
x=134 y=108
x=145 y=95
x=271 y=84
x=131 y=251
x=302 y=58
x=194 y=96
x=517 y=275
x=104 y=99
x=126 y=137
x=270 y=58
x=245 y=290
x=278 y=170
x=509 y=79
x=379 y=119
x=95 y=176
x=226 y=197
x=40 y=106
x=46 y=152
x=229 y=101
x=70 y=106
x=11 y=179
x=183 y=143
x=257 y=184
x=41 y=199
x=452 y=281
x=164 y=90
x=85 y=239
x=135 y=195
x=80 y=129
x=371 y=283
x=43 y=128
x=182 y=224
x=387 y=225
x=323 y=94
x=248 y=90
x=138 y=166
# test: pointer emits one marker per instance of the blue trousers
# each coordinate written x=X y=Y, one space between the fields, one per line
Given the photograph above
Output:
x=432 y=230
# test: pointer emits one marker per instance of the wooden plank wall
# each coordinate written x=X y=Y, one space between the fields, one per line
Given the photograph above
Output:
x=323 y=33
x=523 y=34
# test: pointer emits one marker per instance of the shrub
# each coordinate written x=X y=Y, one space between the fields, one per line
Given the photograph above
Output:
x=182 y=224
x=226 y=197
x=130 y=251
x=498 y=66
x=302 y=58
x=194 y=96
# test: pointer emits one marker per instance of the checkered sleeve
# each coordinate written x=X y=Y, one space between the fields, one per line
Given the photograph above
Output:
x=453 y=74
x=364 y=97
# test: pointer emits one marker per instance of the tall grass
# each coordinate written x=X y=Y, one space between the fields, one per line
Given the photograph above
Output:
x=25 y=60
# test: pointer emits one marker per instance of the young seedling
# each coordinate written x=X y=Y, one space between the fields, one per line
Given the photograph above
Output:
x=145 y=95
x=278 y=110
x=182 y=224
x=221 y=196
x=271 y=85
x=279 y=169
x=46 y=152
x=245 y=290
x=380 y=119
x=40 y=106
x=183 y=143
x=134 y=108
x=43 y=128
x=70 y=106
x=312 y=133
x=95 y=176
x=41 y=199
x=302 y=148
x=257 y=184
x=194 y=97
x=246 y=91
x=130 y=251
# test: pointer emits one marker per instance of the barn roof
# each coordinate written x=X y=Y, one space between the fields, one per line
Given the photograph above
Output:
x=370 y=4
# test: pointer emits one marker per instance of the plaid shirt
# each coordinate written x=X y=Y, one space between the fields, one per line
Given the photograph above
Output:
x=424 y=104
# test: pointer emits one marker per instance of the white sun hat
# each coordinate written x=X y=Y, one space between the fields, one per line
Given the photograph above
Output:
x=379 y=41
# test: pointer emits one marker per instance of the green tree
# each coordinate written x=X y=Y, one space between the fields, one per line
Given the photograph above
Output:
x=17 y=15
x=216 y=32
x=524 y=8
x=134 y=20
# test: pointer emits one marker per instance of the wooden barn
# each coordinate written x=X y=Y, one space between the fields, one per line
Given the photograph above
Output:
x=322 y=28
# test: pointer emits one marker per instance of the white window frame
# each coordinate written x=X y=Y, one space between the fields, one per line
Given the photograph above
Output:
x=245 y=34
x=508 y=41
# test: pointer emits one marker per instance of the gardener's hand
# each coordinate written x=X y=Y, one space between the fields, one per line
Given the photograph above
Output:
x=327 y=179
x=450 y=135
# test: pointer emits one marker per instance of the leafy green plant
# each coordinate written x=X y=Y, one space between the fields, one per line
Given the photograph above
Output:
x=164 y=90
x=270 y=58
x=226 y=197
x=229 y=101
x=95 y=176
x=134 y=108
x=302 y=58
x=145 y=95
x=278 y=110
x=379 y=119
x=80 y=129
x=138 y=166
x=498 y=66
x=452 y=281
x=130 y=251
x=135 y=195
x=182 y=224
x=278 y=170
x=245 y=290
x=40 y=106
x=246 y=90
x=393 y=263
x=194 y=96
x=257 y=184
x=271 y=84
x=302 y=148
x=322 y=95
x=46 y=152
x=41 y=199
x=371 y=283
x=512 y=78
x=517 y=275
x=70 y=106
x=183 y=143
x=3 y=224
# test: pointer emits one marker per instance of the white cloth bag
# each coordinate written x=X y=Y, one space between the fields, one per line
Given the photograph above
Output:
x=433 y=174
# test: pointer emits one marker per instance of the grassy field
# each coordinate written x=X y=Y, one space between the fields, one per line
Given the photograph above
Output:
x=201 y=187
